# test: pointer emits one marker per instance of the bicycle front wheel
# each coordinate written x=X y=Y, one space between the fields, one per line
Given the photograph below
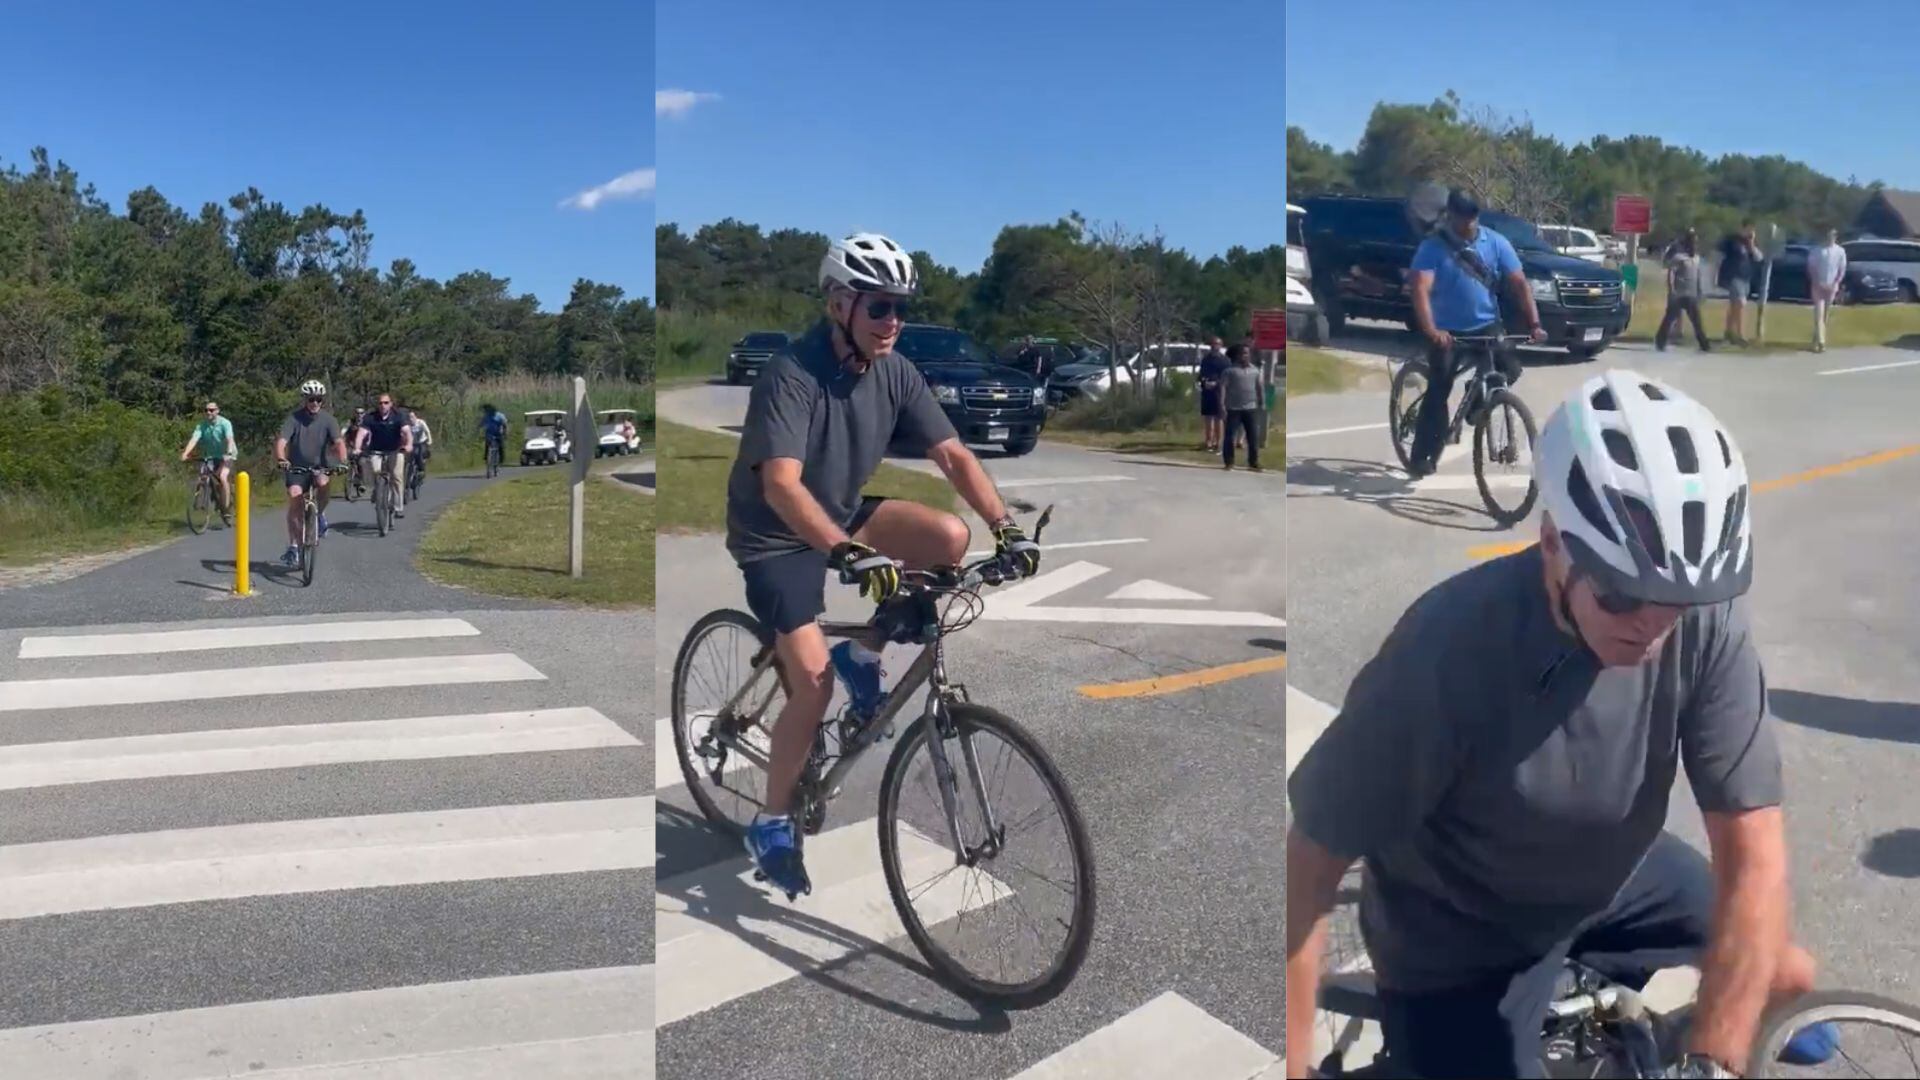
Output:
x=381 y=496
x=1877 y=1036
x=310 y=545
x=1503 y=438
x=724 y=709
x=200 y=506
x=1403 y=408
x=1019 y=873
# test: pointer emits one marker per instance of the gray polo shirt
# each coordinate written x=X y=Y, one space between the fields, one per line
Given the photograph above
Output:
x=309 y=436
x=1240 y=387
x=836 y=424
x=1502 y=786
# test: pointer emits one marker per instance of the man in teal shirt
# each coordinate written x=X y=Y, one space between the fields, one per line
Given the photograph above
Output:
x=213 y=435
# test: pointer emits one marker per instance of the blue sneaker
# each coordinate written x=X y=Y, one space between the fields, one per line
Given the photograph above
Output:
x=323 y=524
x=861 y=678
x=1814 y=1044
x=290 y=557
x=774 y=846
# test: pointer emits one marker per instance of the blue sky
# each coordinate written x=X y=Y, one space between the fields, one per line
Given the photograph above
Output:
x=1811 y=83
x=939 y=123
x=459 y=128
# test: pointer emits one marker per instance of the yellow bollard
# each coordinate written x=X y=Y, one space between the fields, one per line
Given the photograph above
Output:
x=242 y=533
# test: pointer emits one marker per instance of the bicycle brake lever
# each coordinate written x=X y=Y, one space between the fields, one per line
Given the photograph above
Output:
x=1040 y=526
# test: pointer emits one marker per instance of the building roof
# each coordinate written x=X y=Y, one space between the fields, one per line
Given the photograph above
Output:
x=1906 y=204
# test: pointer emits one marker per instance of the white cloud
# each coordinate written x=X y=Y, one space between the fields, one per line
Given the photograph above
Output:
x=679 y=102
x=637 y=184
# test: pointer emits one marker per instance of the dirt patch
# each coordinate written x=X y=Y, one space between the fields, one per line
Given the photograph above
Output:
x=68 y=567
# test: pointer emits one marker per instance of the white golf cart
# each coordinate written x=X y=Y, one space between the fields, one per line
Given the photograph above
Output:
x=547 y=440
x=618 y=433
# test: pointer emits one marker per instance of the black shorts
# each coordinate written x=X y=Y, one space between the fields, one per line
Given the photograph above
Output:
x=291 y=477
x=1662 y=918
x=1210 y=402
x=787 y=592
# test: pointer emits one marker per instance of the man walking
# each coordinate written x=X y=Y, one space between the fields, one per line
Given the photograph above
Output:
x=1826 y=270
x=1683 y=290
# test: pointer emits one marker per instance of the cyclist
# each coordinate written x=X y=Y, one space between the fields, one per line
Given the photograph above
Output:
x=214 y=437
x=493 y=429
x=1504 y=763
x=386 y=440
x=422 y=443
x=818 y=422
x=306 y=437
x=1455 y=274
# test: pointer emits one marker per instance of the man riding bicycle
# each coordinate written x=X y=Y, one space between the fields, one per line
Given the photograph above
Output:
x=303 y=443
x=1455 y=272
x=493 y=430
x=386 y=440
x=818 y=424
x=1504 y=765
x=214 y=436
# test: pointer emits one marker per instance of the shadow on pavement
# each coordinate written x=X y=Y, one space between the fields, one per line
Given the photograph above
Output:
x=483 y=564
x=1273 y=644
x=1385 y=486
x=1889 y=721
x=637 y=479
x=1894 y=854
x=738 y=908
x=1908 y=341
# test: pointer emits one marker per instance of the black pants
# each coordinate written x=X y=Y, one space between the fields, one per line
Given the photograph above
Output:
x=1660 y=919
x=1675 y=306
x=1247 y=420
x=1430 y=430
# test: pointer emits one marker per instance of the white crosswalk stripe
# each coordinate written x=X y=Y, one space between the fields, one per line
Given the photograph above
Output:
x=594 y=1022
x=722 y=938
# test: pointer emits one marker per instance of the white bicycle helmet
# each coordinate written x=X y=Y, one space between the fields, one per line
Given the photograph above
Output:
x=313 y=388
x=868 y=262
x=1649 y=492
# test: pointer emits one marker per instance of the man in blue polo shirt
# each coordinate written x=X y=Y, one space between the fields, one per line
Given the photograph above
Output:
x=1454 y=277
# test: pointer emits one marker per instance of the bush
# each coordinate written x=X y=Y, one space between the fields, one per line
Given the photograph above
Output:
x=103 y=461
x=1122 y=409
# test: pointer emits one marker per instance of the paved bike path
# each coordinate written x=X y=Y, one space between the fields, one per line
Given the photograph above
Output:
x=192 y=578
x=395 y=846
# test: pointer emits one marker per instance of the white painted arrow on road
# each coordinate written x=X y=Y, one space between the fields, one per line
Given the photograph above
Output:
x=1021 y=603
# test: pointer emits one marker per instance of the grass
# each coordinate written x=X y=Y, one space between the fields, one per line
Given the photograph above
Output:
x=511 y=539
x=37 y=528
x=694 y=345
x=1311 y=371
x=694 y=465
x=1789 y=325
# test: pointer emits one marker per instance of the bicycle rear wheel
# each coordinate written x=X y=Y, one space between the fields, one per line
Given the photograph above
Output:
x=955 y=908
x=1503 y=438
x=309 y=545
x=716 y=744
x=1403 y=408
x=200 y=505
x=1878 y=1036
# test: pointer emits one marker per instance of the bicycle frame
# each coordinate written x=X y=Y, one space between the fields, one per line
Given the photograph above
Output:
x=1484 y=380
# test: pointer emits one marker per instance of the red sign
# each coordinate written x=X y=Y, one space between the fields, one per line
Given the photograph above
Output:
x=1632 y=215
x=1270 y=328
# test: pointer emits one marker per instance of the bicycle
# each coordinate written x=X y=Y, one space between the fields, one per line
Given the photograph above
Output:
x=734 y=743
x=384 y=493
x=493 y=458
x=1487 y=396
x=416 y=476
x=309 y=517
x=205 y=498
x=354 y=487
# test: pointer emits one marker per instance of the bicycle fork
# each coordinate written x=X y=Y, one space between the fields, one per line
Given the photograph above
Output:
x=940 y=727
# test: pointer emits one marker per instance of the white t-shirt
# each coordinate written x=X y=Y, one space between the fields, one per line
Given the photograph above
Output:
x=1826 y=265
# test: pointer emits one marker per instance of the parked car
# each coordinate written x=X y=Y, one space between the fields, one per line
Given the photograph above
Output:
x=989 y=403
x=1861 y=285
x=1897 y=259
x=1038 y=357
x=1616 y=247
x=1090 y=379
x=1297 y=243
x=1360 y=250
x=753 y=352
x=1304 y=320
x=1575 y=241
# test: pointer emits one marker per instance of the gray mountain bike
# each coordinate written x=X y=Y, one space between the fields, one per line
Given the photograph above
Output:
x=970 y=806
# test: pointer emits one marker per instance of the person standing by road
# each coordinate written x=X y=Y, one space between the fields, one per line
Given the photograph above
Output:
x=1240 y=397
x=1212 y=413
x=1826 y=270
x=1683 y=290
x=1739 y=256
x=1456 y=272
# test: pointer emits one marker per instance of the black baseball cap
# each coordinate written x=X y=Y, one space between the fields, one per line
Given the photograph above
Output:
x=1461 y=203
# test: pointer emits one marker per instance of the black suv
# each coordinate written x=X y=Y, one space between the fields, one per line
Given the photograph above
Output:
x=1361 y=251
x=753 y=352
x=988 y=402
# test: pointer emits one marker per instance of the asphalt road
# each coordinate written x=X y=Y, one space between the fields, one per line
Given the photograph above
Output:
x=1831 y=601
x=1150 y=569
x=373 y=825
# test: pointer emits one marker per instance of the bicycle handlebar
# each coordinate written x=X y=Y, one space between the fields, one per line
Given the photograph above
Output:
x=1477 y=338
x=992 y=570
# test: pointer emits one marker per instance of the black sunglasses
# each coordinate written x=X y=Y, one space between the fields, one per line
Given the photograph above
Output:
x=880 y=309
x=311 y=400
